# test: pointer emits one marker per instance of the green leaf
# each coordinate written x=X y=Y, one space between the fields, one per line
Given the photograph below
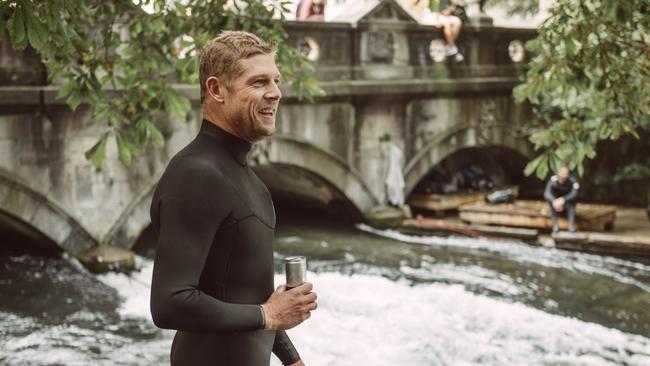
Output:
x=123 y=148
x=581 y=169
x=171 y=104
x=519 y=92
x=97 y=153
x=67 y=88
x=18 y=39
x=35 y=32
x=532 y=166
x=542 y=169
x=155 y=134
x=3 y=8
x=176 y=105
x=74 y=100
x=563 y=152
x=555 y=162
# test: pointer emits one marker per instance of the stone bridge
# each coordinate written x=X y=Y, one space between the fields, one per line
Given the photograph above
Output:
x=385 y=79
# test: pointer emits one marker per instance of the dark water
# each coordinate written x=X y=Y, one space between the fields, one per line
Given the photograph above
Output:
x=385 y=299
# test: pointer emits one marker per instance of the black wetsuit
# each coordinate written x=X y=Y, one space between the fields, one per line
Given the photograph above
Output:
x=215 y=221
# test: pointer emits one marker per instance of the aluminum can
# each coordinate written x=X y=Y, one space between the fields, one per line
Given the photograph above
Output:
x=296 y=271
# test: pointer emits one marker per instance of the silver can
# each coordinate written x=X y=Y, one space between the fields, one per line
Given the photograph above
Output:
x=296 y=271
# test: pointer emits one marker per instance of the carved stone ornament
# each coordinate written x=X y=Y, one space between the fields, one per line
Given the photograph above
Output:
x=486 y=120
x=437 y=50
x=381 y=47
x=516 y=50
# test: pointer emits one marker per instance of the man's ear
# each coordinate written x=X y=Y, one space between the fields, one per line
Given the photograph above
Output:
x=215 y=88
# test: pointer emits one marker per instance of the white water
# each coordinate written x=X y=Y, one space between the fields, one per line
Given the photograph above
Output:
x=615 y=268
x=370 y=320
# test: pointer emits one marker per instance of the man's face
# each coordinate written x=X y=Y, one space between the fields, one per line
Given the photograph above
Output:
x=563 y=174
x=251 y=102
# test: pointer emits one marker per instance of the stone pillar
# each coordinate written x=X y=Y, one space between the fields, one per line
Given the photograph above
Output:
x=476 y=15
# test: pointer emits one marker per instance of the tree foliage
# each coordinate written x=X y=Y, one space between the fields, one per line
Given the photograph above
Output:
x=124 y=61
x=588 y=80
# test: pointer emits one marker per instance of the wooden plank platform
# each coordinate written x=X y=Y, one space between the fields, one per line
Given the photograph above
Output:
x=452 y=201
x=537 y=214
x=507 y=232
x=422 y=225
x=636 y=247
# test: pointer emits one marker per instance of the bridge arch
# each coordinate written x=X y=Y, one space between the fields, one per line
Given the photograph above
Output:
x=135 y=218
x=290 y=151
x=44 y=215
x=458 y=138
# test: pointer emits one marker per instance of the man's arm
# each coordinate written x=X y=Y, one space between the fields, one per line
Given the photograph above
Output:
x=284 y=349
x=188 y=218
x=548 y=193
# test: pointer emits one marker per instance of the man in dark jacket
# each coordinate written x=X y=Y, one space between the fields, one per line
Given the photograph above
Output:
x=561 y=193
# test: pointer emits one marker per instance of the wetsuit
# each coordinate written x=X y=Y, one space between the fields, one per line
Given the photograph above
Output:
x=215 y=221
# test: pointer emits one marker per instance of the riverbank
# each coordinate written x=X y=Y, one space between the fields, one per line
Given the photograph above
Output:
x=629 y=237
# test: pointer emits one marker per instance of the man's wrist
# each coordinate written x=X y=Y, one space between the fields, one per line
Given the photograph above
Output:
x=266 y=318
x=263 y=317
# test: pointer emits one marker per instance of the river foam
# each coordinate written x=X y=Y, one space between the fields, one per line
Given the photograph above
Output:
x=620 y=270
x=371 y=320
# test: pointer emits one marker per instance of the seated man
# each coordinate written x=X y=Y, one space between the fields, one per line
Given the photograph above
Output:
x=562 y=193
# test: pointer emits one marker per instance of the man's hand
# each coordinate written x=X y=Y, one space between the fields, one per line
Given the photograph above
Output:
x=286 y=309
x=558 y=204
x=298 y=363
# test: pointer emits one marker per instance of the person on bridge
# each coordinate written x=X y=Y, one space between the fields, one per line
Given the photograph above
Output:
x=311 y=10
x=214 y=221
x=561 y=193
x=449 y=20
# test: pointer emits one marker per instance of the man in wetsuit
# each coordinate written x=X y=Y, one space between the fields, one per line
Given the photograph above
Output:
x=561 y=193
x=214 y=220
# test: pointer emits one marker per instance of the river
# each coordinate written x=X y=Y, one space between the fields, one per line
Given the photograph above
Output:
x=384 y=299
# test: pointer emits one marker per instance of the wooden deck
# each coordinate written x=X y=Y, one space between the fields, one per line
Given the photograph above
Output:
x=423 y=225
x=630 y=239
x=452 y=201
x=537 y=214
x=635 y=247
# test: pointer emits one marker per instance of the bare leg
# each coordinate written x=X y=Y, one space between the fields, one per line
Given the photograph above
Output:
x=447 y=30
x=455 y=25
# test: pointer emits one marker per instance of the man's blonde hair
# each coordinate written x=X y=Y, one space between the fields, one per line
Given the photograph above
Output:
x=221 y=56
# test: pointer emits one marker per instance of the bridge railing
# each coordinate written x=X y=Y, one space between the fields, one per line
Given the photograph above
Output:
x=380 y=50
x=372 y=56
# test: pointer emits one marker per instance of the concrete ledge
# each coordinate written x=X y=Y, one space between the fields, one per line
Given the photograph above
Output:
x=103 y=258
x=16 y=96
